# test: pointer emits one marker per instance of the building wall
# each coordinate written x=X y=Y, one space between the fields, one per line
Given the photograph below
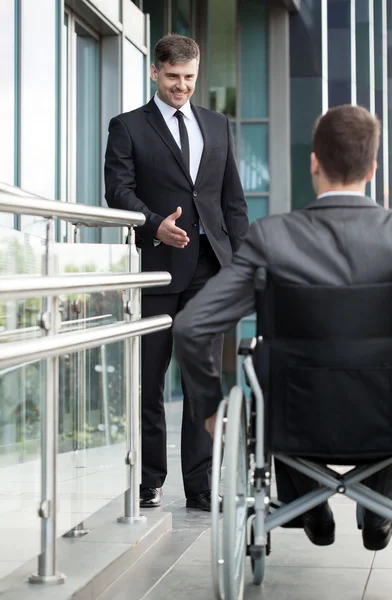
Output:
x=339 y=54
x=66 y=68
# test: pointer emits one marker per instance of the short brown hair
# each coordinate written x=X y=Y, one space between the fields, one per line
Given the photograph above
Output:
x=346 y=141
x=175 y=49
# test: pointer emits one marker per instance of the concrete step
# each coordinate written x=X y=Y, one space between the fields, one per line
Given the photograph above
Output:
x=94 y=562
x=151 y=571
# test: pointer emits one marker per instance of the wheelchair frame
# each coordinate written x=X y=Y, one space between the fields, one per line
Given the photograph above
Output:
x=249 y=515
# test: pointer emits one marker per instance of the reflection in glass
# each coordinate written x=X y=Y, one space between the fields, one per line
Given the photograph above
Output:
x=254 y=167
x=222 y=56
x=134 y=77
x=92 y=395
x=21 y=387
x=87 y=124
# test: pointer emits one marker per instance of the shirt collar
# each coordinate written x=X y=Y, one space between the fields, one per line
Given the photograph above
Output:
x=342 y=200
x=168 y=111
x=336 y=193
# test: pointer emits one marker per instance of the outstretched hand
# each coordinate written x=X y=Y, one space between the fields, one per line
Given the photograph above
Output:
x=170 y=234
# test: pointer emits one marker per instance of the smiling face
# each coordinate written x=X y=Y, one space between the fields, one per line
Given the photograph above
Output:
x=176 y=83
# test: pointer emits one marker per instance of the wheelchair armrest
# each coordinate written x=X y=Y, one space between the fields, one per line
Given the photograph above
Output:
x=247 y=346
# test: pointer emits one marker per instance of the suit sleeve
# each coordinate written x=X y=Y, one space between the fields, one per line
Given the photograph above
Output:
x=217 y=308
x=234 y=206
x=120 y=182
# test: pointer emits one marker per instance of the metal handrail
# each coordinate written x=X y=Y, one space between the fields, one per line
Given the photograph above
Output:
x=56 y=343
x=31 y=332
x=17 y=201
x=27 y=286
x=15 y=353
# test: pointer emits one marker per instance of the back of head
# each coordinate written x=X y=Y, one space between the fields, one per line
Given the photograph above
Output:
x=345 y=142
x=175 y=49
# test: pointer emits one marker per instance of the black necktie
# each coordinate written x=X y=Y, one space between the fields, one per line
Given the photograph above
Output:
x=184 y=139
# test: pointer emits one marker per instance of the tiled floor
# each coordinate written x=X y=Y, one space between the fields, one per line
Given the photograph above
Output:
x=296 y=569
x=179 y=567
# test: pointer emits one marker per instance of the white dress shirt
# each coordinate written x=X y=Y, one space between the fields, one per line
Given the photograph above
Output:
x=340 y=194
x=196 y=142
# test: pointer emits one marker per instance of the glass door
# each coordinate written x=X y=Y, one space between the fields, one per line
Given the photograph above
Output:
x=83 y=117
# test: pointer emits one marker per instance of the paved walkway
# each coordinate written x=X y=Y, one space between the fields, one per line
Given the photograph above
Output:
x=179 y=568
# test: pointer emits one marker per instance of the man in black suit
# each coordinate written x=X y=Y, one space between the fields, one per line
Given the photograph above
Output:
x=175 y=163
x=341 y=238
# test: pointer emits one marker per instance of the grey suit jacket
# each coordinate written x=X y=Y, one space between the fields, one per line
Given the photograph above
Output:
x=335 y=240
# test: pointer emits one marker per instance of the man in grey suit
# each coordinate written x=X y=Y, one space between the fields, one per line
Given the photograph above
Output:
x=343 y=237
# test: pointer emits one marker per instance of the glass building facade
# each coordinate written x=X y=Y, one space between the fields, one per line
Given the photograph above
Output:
x=68 y=66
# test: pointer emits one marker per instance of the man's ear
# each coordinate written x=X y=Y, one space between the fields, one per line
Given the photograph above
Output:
x=314 y=164
x=153 y=72
x=372 y=171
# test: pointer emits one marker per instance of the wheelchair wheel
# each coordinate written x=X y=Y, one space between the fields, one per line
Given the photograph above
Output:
x=216 y=536
x=235 y=498
x=258 y=565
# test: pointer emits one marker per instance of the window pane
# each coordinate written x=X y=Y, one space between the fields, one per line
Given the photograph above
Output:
x=134 y=77
x=257 y=207
x=7 y=86
x=38 y=104
x=7 y=98
x=156 y=10
x=181 y=21
x=254 y=157
x=233 y=130
x=87 y=124
x=222 y=56
x=254 y=58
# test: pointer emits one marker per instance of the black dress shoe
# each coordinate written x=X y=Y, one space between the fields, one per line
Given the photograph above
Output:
x=150 y=497
x=201 y=501
x=321 y=532
x=376 y=536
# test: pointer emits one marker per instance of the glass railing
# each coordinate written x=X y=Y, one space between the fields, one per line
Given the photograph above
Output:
x=70 y=328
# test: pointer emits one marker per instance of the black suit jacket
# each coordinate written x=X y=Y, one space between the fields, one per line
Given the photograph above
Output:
x=144 y=171
x=335 y=240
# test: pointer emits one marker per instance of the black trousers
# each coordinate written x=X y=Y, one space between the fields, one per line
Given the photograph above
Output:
x=196 y=443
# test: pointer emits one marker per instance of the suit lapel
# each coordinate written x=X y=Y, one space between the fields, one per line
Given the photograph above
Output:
x=206 y=138
x=156 y=121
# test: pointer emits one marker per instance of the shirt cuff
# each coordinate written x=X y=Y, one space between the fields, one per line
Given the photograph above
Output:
x=156 y=242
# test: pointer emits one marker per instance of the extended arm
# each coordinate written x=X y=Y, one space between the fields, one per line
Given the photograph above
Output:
x=224 y=300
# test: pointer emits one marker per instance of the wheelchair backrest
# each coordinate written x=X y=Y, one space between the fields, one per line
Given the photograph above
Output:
x=325 y=312
x=326 y=368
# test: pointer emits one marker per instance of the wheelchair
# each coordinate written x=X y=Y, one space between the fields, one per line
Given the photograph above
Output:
x=320 y=377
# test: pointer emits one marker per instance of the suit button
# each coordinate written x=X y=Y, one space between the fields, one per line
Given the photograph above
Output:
x=194 y=194
x=194 y=224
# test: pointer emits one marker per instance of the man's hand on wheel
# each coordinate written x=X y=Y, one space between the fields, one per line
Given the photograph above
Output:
x=170 y=234
x=210 y=424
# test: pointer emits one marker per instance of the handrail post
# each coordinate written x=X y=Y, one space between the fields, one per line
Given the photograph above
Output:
x=49 y=437
x=132 y=394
